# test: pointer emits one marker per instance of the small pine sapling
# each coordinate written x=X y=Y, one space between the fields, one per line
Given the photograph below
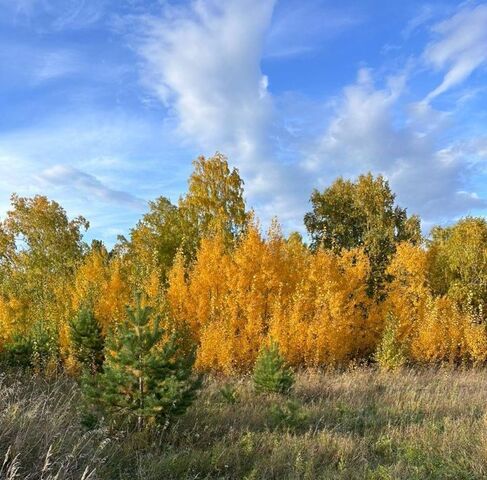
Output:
x=18 y=352
x=229 y=394
x=45 y=348
x=146 y=376
x=87 y=341
x=270 y=371
x=290 y=415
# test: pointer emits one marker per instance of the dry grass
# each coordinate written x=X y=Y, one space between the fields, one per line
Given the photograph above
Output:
x=359 y=424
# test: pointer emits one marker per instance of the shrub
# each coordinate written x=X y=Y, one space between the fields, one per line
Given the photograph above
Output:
x=271 y=373
x=45 y=355
x=290 y=415
x=390 y=353
x=39 y=350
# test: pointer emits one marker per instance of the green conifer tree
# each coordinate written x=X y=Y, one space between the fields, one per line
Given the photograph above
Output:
x=45 y=348
x=270 y=371
x=87 y=340
x=18 y=352
x=145 y=377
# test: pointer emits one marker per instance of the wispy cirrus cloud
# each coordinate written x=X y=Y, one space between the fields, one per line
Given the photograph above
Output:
x=460 y=47
x=34 y=65
x=56 y=64
x=425 y=14
x=54 y=15
x=302 y=27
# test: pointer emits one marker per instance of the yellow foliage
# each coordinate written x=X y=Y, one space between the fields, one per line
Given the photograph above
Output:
x=407 y=293
x=441 y=334
x=12 y=314
x=228 y=298
x=100 y=284
x=177 y=292
x=115 y=295
x=476 y=341
x=314 y=305
x=326 y=320
x=242 y=290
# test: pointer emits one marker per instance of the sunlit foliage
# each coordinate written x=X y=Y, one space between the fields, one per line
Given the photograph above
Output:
x=213 y=274
x=361 y=214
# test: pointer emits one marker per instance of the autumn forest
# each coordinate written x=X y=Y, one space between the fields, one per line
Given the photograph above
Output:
x=202 y=346
x=364 y=286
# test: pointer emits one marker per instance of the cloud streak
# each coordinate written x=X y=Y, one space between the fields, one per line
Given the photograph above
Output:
x=460 y=47
x=100 y=165
x=72 y=178
x=55 y=15
x=301 y=27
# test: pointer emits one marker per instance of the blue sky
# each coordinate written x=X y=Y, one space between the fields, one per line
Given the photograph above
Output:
x=105 y=103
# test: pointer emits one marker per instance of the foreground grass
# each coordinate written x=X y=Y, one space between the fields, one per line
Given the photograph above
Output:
x=354 y=425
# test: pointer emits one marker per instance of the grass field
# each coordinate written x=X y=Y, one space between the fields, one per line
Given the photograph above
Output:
x=358 y=424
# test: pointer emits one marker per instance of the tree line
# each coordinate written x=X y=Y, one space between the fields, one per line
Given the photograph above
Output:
x=366 y=286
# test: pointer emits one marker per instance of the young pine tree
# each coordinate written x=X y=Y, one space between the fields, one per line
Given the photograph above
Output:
x=45 y=348
x=145 y=377
x=18 y=352
x=87 y=341
x=270 y=371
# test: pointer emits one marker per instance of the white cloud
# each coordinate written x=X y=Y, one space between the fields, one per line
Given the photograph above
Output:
x=88 y=185
x=370 y=131
x=362 y=132
x=204 y=62
x=460 y=47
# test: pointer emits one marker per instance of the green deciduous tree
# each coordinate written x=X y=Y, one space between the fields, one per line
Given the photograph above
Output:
x=214 y=203
x=363 y=213
x=45 y=239
x=40 y=248
x=457 y=264
x=153 y=243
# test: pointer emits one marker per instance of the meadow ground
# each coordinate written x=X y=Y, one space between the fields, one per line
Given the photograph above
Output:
x=359 y=424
